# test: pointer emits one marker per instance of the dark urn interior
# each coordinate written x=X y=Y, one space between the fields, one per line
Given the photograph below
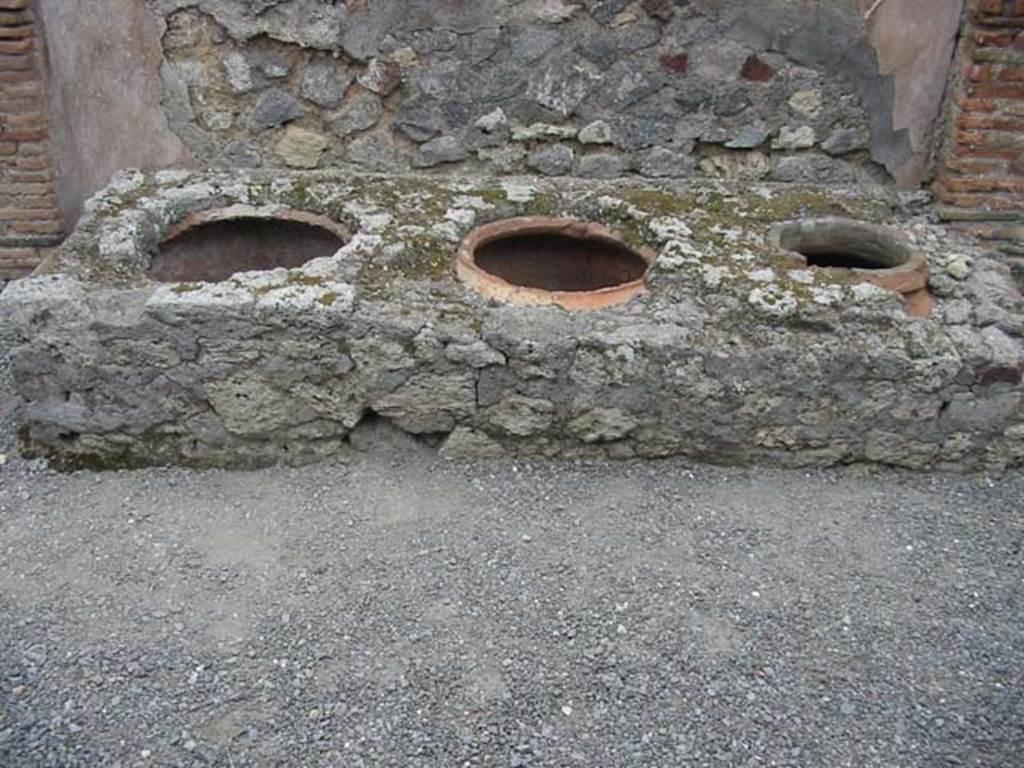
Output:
x=558 y=262
x=215 y=250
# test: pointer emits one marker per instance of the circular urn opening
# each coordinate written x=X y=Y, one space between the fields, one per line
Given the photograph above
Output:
x=872 y=253
x=539 y=260
x=215 y=245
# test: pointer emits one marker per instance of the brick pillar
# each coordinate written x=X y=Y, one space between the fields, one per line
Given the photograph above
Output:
x=981 y=174
x=30 y=216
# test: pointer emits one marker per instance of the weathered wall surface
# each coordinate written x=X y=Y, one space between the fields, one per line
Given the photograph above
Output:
x=657 y=88
x=104 y=57
x=30 y=219
x=914 y=41
x=782 y=90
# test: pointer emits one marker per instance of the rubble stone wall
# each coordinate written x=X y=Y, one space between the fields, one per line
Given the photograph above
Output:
x=779 y=90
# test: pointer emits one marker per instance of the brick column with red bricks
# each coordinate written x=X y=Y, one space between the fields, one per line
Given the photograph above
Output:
x=30 y=215
x=981 y=173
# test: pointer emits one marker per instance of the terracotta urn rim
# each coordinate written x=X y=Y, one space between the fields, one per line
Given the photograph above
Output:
x=241 y=212
x=493 y=287
x=908 y=277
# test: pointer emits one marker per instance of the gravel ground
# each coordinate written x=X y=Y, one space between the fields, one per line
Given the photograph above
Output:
x=396 y=610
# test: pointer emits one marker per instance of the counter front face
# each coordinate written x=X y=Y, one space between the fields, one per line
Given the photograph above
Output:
x=239 y=320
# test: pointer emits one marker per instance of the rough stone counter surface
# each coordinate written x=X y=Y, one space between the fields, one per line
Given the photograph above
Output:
x=734 y=354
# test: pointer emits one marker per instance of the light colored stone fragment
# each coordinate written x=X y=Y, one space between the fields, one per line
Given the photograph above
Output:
x=301 y=148
x=492 y=121
x=597 y=132
x=789 y=137
x=468 y=443
x=602 y=425
x=249 y=406
x=807 y=103
x=537 y=131
x=522 y=416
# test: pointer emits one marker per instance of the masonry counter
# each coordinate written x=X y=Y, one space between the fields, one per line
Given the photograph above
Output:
x=309 y=303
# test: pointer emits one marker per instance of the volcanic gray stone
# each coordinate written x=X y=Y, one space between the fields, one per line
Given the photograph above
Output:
x=244 y=154
x=381 y=76
x=662 y=9
x=731 y=102
x=602 y=165
x=627 y=85
x=530 y=44
x=359 y=114
x=641 y=131
x=749 y=137
x=661 y=162
x=556 y=160
x=248 y=70
x=597 y=132
x=238 y=72
x=604 y=11
x=274 y=109
x=484 y=44
x=419 y=120
x=693 y=99
x=271 y=65
x=843 y=141
x=562 y=86
x=443 y=149
x=812 y=167
x=504 y=159
x=434 y=40
x=498 y=82
x=476 y=354
x=374 y=151
x=439 y=80
x=456 y=114
x=638 y=36
x=363 y=31
x=324 y=82
x=599 y=47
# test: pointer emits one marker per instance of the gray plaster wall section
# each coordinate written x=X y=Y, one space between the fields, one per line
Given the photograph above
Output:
x=159 y=83
x=915 y=40
x=103 y=58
